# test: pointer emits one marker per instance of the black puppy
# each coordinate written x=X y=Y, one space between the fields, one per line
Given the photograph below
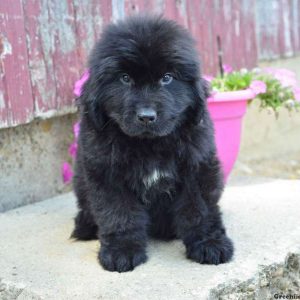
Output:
x=146 y=162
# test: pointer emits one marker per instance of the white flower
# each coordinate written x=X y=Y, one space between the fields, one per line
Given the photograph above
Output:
x=256 y=70
x=289 y=103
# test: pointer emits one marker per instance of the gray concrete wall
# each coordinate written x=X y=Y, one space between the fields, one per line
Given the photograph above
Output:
x=30 y=161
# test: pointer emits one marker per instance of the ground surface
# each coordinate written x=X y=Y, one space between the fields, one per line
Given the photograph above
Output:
x=39 y=261
x=285 y=166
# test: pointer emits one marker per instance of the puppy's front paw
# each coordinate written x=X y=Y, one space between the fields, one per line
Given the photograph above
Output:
x=121 y=260
x=210 y=251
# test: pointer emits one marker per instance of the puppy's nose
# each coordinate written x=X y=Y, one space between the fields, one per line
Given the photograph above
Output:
x=146 y=115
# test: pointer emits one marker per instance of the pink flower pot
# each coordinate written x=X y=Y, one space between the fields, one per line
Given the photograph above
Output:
x=227 y=110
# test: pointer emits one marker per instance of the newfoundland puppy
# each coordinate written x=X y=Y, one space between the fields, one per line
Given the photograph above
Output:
x=146 y=164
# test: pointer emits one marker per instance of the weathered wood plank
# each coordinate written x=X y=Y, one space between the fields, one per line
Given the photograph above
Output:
x=277 y=28
x=195 y=25
x=40 y=43
x=5 y=49
x=295 y=25
x=267 y=28
x=248 y=33
x=53 y=58
x=87 y=29
x=64 y=52
x=16 y=105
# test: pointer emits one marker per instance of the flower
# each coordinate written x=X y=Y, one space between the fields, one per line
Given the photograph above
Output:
x=296 y=92
x=271 y=86
x=256 y=70
x=208 y=78
x=67 y=172
x=76 y=129
x=258 y=87
x=79 y=83
x=289 y=103
x=227 y=68
x=244 y=71
x=73 y=150
x=286 y=77
x=66 y=168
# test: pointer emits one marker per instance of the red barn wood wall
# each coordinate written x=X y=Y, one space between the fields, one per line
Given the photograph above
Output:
x=277 y=28
x=44 y=44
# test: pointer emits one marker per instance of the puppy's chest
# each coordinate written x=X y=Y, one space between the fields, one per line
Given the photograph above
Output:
x=155 y=177
x=157 y=184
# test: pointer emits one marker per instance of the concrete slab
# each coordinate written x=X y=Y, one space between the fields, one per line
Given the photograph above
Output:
x=33 y=151
x=39 y=261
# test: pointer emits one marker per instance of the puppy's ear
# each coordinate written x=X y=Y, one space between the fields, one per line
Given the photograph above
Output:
x=90 y=105
x=201 y=88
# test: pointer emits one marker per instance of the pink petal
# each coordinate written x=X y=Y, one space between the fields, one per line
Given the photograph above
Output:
x=76 y=129
x=296 y=91
x=258 y=87
x=227 y=68
x=73 y=150
x=286 y=77
x=67 y=172
x=79 y=83
x=208 y=78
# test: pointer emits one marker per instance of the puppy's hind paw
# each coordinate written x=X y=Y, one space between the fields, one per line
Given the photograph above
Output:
x=121 y=260
x=210 y=251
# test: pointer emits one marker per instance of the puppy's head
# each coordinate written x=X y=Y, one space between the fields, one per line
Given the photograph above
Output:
x=144 y=75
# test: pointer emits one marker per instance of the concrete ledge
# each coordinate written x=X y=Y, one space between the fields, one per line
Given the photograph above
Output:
x=30 y=161
x=38 y=261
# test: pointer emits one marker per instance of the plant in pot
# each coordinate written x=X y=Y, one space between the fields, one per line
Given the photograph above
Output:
x=230 y=93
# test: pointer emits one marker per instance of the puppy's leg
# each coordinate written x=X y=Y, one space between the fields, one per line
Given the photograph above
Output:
x=161 y=218
x=204 y=237
x=198 y=219
x=122 y=223
x=85 y=227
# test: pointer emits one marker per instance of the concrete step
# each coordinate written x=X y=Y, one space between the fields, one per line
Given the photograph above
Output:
x=39 y=261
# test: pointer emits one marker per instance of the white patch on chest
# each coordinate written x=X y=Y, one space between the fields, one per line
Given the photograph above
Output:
x=154 y=177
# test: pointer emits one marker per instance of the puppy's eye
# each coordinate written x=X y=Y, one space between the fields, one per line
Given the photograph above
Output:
x=166 y=79
x=125 y=78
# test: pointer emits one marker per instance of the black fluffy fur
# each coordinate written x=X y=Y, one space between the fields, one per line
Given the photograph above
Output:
x=116 y=154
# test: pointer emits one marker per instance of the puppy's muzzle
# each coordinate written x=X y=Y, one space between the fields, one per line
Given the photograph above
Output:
x=146 y=116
